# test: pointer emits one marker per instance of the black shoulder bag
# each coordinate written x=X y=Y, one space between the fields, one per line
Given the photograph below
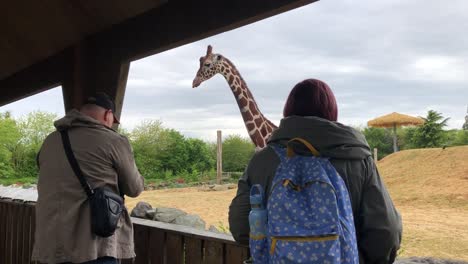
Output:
x=106 y=206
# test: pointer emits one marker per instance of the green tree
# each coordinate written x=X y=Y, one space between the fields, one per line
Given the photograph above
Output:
x=457 y=137
x=379 y=138
x=147 y=142
x=405 y=138
x=165 y=153
x=200 y=157
x=9 y=138
x=175 y=155
x=431 y=133
x=33 y=128
x=237 y=152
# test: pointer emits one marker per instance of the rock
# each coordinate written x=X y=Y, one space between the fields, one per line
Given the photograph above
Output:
x=150 y=214
x=190 y=220
x=167 y=215
x=140 y=209
x=204 y=189
x=214 y=229
x=220 y=188
x=217 y=187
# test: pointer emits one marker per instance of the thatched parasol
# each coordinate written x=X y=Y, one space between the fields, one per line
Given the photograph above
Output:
x=395 y=120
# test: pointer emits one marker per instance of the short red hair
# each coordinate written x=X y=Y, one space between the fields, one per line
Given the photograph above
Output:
x=311 y=97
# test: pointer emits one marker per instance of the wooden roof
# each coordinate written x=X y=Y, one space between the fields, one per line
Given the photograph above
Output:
x=39 y=37
x=34 y=30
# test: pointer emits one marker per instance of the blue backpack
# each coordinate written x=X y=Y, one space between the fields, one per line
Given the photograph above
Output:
x=309 y=214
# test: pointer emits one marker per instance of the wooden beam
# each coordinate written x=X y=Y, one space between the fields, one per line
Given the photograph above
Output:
x=171 y=25
x=91 y=71
x=35 y=79
x=180 y=22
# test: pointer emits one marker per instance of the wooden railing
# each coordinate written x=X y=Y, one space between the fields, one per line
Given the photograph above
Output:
x=155 y=242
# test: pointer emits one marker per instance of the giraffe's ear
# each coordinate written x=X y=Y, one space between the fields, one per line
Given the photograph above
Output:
x=209 y=50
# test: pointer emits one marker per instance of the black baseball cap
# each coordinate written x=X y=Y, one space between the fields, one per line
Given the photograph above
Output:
x=104 y=101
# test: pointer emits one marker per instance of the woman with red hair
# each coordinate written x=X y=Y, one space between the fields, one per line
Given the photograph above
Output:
x=311 y=113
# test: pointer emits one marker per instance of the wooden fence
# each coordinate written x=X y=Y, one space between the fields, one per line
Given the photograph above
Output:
x=16 y=231
x=155 y=242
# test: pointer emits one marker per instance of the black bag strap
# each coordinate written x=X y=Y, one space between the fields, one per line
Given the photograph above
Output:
x=74 y=163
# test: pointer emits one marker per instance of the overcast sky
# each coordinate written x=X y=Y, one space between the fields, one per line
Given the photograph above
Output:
x=377 y=56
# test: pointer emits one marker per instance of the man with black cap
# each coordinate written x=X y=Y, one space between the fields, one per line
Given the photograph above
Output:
x=63 y=221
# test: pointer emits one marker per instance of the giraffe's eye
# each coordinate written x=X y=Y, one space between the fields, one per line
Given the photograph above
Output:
x=207 y=64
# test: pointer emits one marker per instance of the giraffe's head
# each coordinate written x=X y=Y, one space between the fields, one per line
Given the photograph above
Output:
x=209 y=66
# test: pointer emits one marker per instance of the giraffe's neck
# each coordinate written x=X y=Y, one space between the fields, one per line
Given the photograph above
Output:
x=258 y=126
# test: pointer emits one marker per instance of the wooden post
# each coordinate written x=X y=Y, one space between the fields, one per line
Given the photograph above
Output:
x=395 y=148
x=376 y=158
x=92 y=70
x=219 y=159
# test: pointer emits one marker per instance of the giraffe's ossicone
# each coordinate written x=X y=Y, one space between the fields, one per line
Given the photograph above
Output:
x=258 y=126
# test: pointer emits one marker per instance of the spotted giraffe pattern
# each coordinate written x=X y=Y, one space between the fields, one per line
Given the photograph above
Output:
x=258 y=126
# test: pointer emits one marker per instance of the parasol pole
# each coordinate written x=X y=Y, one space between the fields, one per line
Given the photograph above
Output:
x=394 y=139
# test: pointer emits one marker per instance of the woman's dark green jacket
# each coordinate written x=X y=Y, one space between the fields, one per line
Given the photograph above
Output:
x=378 y=224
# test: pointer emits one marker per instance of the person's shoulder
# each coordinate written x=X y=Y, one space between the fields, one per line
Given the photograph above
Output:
x=51 y=137
x=265 y=154
x=117 y=137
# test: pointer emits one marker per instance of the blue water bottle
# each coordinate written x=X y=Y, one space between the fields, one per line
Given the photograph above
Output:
x=258 y=225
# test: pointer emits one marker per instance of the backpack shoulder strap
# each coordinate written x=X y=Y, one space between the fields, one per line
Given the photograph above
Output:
x=290 y=149
x=74 y=163
x=280 y=151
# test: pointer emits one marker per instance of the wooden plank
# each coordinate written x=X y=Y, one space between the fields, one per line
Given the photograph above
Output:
x=15 y=230
x=193 y=250
x=19 y=233
x=8 y=233
x=27 y=236
x=236 y=254
x=141 y=237
x=174 y=248
x=3 y=217
x=157 y=246
x=213 y=252
x=186 y=231
x=33 y=230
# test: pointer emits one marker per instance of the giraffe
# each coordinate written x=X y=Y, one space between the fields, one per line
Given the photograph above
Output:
x=258 y=126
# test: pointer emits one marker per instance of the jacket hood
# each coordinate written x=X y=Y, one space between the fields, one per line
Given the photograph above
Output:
x=75 y=118
x=331 y=139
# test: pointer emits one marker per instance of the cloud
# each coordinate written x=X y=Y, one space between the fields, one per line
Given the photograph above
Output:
x=440 y=69
x=377 y=56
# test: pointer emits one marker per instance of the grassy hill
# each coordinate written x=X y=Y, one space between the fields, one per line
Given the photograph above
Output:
x=430 y=189
x=428 y=176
